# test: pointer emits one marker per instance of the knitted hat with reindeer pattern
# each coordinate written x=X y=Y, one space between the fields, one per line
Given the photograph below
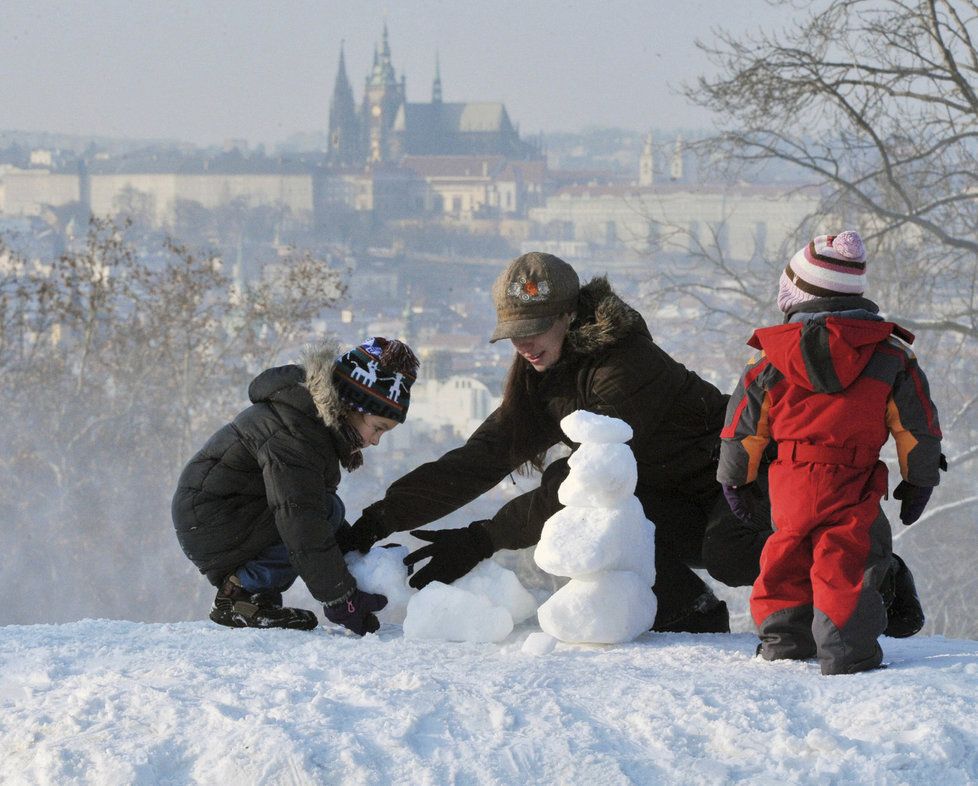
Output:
x=376 y=377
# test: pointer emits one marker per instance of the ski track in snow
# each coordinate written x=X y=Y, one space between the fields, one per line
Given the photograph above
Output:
x=111 y=702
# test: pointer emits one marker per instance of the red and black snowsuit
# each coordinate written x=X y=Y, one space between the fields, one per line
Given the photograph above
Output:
x=828 y=387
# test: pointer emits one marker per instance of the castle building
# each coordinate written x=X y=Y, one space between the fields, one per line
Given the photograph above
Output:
x=388 y=127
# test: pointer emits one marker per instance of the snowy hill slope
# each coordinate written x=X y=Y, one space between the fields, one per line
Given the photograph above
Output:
x=108 y=702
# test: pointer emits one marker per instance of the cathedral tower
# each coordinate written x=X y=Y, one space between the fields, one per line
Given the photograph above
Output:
x=382 y=97
x=344 y=128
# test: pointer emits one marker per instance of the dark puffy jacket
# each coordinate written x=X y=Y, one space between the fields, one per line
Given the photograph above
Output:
x=271 y=475
x=609 y=365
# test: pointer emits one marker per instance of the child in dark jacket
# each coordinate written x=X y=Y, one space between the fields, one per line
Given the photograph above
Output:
x=257 y=506
x=829 y=386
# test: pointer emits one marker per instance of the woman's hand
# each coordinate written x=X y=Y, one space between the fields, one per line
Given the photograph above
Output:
x=453 y=553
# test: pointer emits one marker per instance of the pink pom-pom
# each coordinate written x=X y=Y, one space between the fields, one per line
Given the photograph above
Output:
x=849 y=245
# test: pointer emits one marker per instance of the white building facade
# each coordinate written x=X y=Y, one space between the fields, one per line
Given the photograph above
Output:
x=744 y=222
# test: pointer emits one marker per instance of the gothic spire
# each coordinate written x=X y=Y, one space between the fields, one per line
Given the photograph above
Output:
x=342 y=81
x=436 y=85
x=385 y=50
x=343 y=124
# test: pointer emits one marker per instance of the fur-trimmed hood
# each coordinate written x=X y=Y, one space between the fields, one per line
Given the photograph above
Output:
x=308 y=387
x=603 y=318
x=319 y=362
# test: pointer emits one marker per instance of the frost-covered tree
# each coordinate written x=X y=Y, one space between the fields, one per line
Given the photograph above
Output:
x=115 y=362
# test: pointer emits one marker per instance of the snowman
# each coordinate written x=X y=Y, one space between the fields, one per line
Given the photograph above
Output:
x=601 y=540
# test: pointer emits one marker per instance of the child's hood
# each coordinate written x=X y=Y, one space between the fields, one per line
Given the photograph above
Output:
x=825 y=354
x=308 y=387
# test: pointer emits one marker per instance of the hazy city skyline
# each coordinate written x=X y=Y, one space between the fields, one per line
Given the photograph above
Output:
x=204 y=72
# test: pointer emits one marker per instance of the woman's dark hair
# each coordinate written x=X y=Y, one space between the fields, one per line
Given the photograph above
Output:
x=521 y=414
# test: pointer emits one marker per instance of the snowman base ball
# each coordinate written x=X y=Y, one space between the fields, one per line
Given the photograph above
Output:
x=608 y=608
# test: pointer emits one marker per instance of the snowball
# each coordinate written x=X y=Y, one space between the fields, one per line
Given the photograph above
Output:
x=538 y=643
x=452 y=614
x=382 y=570
x=583 y=426
x=501 y=587
x=609 y=608
x=601 y=476
x=578 y=542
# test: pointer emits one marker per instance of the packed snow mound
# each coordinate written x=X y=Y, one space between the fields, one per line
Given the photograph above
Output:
x=584 y=426
x=487 y=586
x=382 y=570
x=113 y=703
x=610 y=608
x=439 y=611
x=539 y=643
x=602 y=475
x=582 y=541
x=501 y=587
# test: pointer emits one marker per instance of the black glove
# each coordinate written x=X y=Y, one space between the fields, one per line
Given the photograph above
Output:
x=356 y=613
x=453 y=552
x=913 y=500
x=361 y=536
x=741 y=499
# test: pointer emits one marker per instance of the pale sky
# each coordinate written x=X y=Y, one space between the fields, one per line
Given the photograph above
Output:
x=207 y=70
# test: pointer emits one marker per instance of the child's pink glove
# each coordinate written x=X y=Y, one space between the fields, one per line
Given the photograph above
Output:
x=356 y=613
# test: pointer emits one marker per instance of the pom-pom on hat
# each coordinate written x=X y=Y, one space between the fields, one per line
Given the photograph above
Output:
x=376 y=377
x=531 y=293
x=829 y=266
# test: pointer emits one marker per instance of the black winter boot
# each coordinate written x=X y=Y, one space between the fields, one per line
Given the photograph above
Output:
x=235 y=607
x=708 y=614
x=904 y=614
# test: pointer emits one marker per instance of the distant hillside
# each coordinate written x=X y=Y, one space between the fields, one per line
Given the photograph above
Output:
x=78 y=143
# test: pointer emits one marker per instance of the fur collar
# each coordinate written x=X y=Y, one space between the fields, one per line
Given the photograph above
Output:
x=318 y=363
x=603 y=318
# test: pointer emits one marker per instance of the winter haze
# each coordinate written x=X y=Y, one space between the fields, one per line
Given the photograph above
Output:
x=178 y=211
x=206 y=72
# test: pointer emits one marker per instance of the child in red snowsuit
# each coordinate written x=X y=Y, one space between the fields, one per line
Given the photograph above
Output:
x=829 y=386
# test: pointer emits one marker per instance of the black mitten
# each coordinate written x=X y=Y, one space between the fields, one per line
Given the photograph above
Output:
x=913 y=500
x=453 y=552
x=356 y=613
x=361 y=536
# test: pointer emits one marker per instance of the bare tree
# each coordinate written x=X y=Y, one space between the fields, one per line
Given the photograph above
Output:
x=117 y=362
x=875 y=102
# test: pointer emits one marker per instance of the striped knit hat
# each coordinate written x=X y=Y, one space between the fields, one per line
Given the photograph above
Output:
x=376 y=377
x=829 y=266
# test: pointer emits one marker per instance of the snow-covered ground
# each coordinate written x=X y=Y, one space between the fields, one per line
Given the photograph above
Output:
x=113 y=702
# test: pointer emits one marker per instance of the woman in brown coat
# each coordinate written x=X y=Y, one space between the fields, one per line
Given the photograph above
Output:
x=577 y=348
